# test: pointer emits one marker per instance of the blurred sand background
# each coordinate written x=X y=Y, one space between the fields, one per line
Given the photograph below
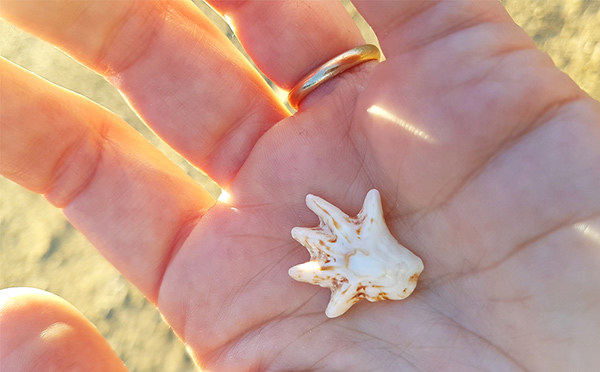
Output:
x=39 y=248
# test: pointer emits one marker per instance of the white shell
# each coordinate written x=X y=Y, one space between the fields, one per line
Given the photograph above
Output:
x=355 y=257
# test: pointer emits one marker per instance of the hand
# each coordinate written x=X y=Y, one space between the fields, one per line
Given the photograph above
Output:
x=485 y=154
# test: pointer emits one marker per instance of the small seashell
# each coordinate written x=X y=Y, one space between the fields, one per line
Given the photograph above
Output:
x=355 y=257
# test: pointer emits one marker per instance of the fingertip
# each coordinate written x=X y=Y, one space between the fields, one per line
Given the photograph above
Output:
x=40 y=331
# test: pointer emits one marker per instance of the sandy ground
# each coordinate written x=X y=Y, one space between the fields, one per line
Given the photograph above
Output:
x=39 y=248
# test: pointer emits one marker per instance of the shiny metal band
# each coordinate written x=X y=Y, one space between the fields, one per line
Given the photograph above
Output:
x=330 y=69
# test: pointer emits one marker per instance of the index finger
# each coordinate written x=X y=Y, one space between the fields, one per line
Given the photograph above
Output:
x=129 y=200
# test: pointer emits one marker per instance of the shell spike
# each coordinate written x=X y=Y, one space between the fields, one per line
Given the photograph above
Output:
x=340 y=302
x=328 y=214
x=372 y=205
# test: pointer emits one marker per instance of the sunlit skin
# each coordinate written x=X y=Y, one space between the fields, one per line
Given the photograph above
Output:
x=500 y=199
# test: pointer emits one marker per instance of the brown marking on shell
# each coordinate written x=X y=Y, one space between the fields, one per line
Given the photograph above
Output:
x=323 y=209
x=413 y=279
x=344 y=280
x=358 y=295
x=360 y=292
x=346 y=237
x=382 y=296
x=335 y=284
x=335 y=223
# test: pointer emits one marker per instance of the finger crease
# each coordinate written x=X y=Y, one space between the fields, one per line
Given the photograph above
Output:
x=62 y=196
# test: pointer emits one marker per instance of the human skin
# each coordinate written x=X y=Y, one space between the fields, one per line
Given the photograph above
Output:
x=486 y=159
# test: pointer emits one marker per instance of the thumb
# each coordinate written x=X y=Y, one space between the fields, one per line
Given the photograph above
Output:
x=40 y=331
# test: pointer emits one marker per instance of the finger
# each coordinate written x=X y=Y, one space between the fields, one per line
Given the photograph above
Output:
x=130 y=201
x=42 y=332
x=453 y=94
x=178 y=70
x=459 y=121
x=287 y=39
x=405 y=25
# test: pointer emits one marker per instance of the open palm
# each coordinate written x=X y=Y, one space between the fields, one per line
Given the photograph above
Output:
x=485 y=154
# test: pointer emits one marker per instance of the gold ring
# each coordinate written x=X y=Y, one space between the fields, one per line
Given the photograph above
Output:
x=330 y=69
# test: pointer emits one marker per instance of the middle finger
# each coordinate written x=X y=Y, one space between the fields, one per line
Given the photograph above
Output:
x=287 y=39
x=176 y=68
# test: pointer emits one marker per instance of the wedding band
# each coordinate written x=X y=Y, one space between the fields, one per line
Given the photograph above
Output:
x=330 y=69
